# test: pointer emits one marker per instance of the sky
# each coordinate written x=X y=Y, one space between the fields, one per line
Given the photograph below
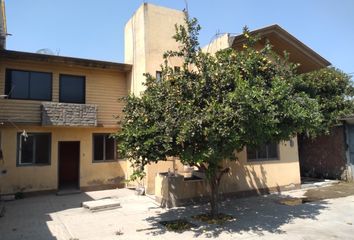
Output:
x=95 y=29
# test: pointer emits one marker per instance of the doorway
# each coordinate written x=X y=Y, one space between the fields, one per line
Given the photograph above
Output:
x=69 y=165
x=350 y=142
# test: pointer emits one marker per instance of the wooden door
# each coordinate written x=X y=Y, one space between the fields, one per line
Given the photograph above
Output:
x=69 y=165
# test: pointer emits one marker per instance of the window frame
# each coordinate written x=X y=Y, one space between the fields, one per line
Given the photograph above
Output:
x=104 y=149
x=277 y=158
x=8 y=85
x=18 y=150
x=60 y=87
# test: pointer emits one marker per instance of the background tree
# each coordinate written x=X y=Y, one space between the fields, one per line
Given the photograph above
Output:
x=333 y=90
x=215 y=105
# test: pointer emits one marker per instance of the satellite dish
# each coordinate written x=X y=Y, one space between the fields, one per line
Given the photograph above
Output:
x=45 y=51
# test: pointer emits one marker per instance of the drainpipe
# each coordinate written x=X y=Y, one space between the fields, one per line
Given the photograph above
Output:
x=3 y=30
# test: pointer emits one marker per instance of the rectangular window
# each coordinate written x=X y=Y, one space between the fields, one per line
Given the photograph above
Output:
x=104 y=148
x=265 y=152
x=71 y=89
x=28 y=85
x=158 y=76
x=33 y=149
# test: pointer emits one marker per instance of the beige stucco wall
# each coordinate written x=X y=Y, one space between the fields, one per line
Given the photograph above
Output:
x=220 y=42
x=281 y=173
x=38 y=178
x=134 y=49
x=244 y=176
x=148 y=34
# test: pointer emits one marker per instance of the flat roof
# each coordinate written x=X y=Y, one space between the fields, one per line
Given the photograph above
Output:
x=89 y=63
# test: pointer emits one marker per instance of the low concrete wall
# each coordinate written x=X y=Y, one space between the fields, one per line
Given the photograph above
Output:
x=245 y=178
x=172 y=191
x=175 y=191
x=153 y=169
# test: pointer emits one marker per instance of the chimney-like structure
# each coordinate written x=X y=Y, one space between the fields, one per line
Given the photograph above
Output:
x=3 y=31
x=148 y=34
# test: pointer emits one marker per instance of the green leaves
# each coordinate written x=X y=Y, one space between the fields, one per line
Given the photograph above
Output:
x=333 y=90
x=215 y=105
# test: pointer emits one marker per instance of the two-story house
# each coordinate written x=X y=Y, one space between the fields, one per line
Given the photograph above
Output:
x=56 y=112
x=57 y=119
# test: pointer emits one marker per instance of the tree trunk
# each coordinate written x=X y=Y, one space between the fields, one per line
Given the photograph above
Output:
x=214 y=182
x=214 y=196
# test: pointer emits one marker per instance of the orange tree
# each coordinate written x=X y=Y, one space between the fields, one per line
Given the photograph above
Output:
x=215 y=105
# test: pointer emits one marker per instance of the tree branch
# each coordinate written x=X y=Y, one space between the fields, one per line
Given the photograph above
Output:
x=222 y=172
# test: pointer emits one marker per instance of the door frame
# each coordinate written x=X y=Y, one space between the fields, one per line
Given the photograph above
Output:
x=58 y=169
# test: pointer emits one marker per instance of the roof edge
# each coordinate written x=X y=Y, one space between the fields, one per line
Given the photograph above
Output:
x=281 y=32
x=91 y=63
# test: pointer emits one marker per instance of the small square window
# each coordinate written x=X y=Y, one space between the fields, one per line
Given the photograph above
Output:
x=34 y=149
x=71 y=89
x=104 y=147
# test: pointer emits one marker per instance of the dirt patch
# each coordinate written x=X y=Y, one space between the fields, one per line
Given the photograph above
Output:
x=335 y=191
x=294 y=201
x=317 y=194
x=179 y=225
x=220 y=219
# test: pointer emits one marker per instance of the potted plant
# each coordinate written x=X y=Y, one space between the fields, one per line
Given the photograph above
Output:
x=138 y=178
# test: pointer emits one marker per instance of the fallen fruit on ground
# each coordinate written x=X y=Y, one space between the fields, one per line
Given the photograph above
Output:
x=220 y=219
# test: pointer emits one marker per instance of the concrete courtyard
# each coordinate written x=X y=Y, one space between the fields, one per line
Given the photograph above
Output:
x=329 y=215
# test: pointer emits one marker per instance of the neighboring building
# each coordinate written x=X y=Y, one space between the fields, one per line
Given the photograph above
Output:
x=329 y=156
x=67 y=106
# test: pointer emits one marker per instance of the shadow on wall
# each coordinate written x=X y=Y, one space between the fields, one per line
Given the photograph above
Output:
x=32 y=218
x=256 y=215
x=242 y=181
x=246 y=180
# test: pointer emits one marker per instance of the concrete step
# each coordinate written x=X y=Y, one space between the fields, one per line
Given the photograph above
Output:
x=102 y=204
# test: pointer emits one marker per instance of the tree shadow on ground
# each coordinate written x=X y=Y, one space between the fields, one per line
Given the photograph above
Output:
x=255 y=215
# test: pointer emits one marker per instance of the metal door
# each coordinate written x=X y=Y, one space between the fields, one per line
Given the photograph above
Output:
x=350 y=141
